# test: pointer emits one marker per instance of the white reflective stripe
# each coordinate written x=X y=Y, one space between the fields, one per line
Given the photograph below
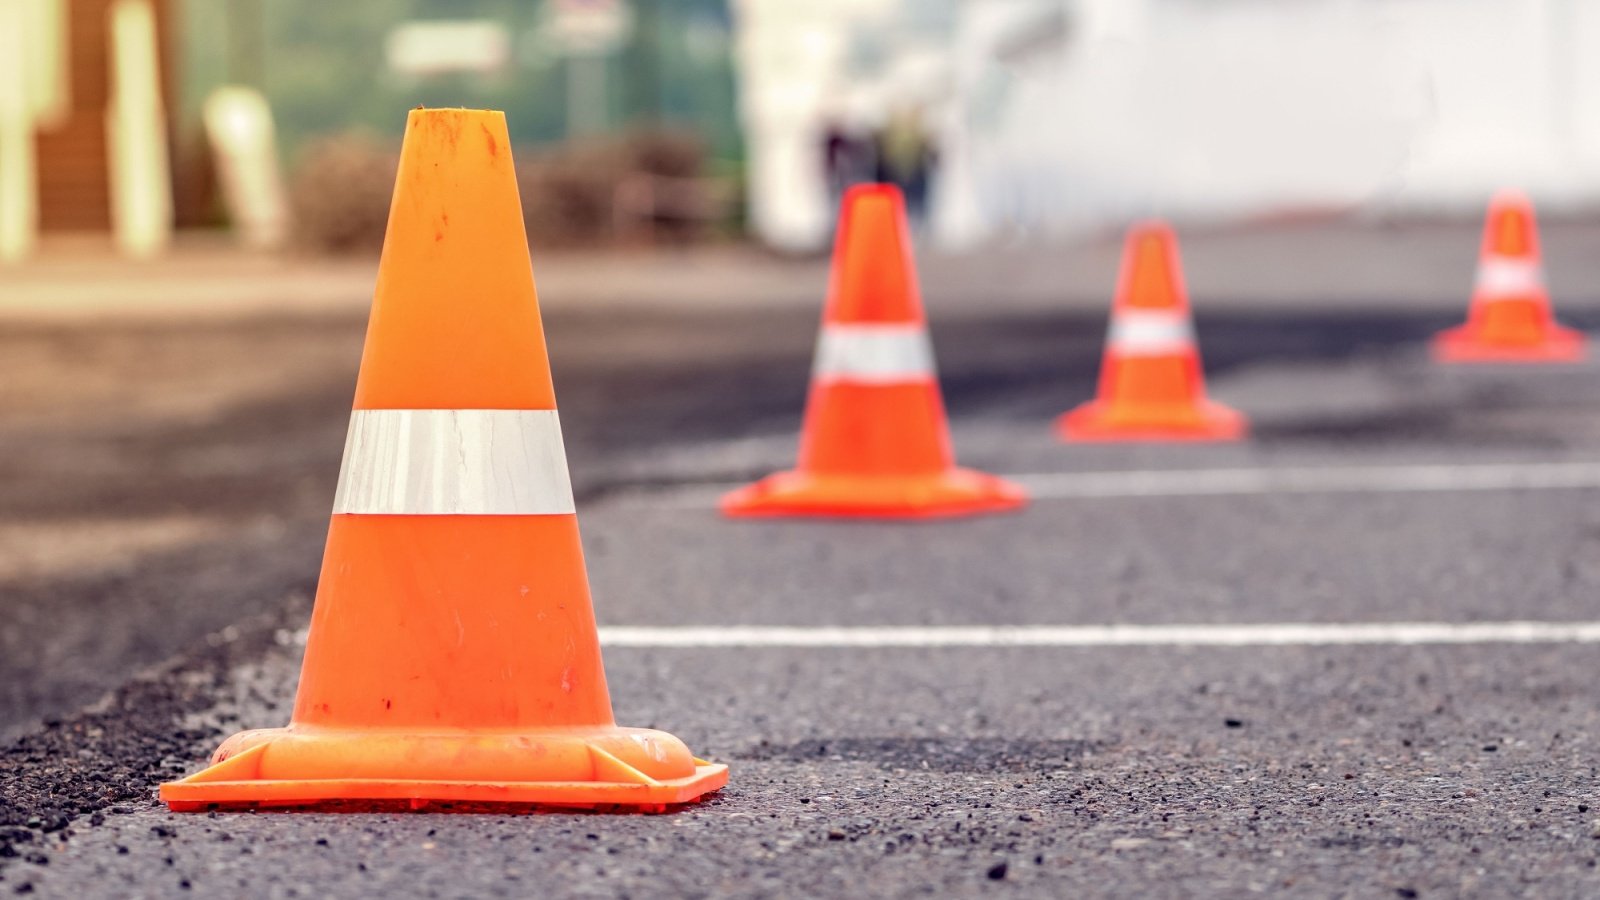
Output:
x=1137 y=332
x=873 y=354
x=1505 y=275
x=462 y=462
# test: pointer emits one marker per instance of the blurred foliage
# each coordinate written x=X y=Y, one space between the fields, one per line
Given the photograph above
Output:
x=340 y=192
x=341 y=188
x=322 y=66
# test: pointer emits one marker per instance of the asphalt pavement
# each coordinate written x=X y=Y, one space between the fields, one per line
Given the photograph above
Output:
x=169 y=540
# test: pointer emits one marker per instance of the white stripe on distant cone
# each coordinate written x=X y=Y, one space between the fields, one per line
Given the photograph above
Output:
x=1509 y=275
x=873 y=354
x=439 y=462
x=1137 y=332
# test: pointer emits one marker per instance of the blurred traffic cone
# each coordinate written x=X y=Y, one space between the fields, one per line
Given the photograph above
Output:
x=1152 y=387
x=875 y=443
x=452 y=654
x=1510 y=319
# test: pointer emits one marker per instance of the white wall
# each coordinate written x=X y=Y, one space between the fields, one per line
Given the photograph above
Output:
x=1190 y=109
x=791 y=59
x=1215 y=109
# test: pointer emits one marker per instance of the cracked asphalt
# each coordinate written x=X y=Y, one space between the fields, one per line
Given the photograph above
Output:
x=166 y=482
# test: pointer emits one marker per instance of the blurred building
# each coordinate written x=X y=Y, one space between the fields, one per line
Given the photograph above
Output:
x=1055 y=115
x=557 y=67
x=89 y=83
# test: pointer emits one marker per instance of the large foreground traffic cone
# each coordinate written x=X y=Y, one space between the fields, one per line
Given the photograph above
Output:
x=875 y=442
x=1152 y=386
x=452 y=654
x=1510 y=318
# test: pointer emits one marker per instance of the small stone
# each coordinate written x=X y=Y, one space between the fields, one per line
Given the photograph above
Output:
x=997 y=872
x=1233 y=723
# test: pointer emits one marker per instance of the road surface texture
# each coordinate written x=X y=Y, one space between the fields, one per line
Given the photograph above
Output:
x=169 y=462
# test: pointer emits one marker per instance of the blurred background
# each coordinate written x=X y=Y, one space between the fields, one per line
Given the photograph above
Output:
x=642 y=121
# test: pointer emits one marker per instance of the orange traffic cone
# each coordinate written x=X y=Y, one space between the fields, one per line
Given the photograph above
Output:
x=1510 y=319
x=452 y=654
x=1152 y=386
x=875 y=442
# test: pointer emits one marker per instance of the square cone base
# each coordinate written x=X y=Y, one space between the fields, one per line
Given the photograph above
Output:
x=1464 y=344
x=632 y=768
x=1098 y=421
x=954 y=492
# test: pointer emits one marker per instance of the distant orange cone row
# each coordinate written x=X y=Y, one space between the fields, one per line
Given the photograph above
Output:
x=1152 y=386
x=875 y=442
x=452 y=654
x=1510 y=318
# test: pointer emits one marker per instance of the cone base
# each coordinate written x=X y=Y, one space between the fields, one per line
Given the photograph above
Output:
x=1464 y=344
x=1102 y=422
x=955 y=492
x=630 y=768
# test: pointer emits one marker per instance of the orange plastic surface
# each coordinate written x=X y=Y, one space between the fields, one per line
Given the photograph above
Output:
x=1202 y=421
x=453 y=621
x=875 y=430
x=874 y=450
x=455 y=319
x=1152 y=274
x=1159 y=397
x=300 y=766
x=452 y=658
x=873 y=278
x=1515 y=328
x=954 y=492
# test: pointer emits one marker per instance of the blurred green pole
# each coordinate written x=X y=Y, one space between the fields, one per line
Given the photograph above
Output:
x=647 y=60
x=586 y=93
x=246 y=58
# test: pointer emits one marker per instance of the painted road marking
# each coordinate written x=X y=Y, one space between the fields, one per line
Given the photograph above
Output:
x=1330 y=479
x=1311 y=634
x=1238 y=482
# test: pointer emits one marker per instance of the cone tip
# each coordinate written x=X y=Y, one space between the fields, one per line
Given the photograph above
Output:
x=861 y=194
x=448 y=124
x=1151 y=275
x=1151 y=229
x=1509 y=196
x=419 y=113
x=1510 y=228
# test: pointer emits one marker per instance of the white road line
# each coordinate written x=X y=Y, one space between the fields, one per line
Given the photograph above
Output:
x=1262 y=635
x=1330 y=479
x=1235 y=482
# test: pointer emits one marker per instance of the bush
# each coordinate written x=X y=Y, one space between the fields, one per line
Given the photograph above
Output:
x=340 y=193
x=341 y=189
